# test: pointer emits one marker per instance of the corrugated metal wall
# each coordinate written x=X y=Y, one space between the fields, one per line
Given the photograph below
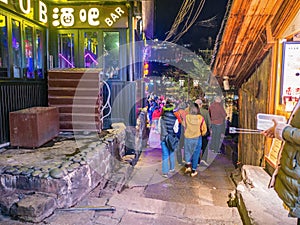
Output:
x=122 y=101
x=15 y=96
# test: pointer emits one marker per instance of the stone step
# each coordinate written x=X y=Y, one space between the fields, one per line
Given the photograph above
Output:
x=27 y=205
x=198 y=214
x=257 y=203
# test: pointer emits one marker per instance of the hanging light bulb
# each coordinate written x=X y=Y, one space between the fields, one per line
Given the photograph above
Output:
x=195 y=83
x=226 y=83
x=181 y=83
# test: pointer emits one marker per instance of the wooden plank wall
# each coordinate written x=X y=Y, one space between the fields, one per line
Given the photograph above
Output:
x=76 y=94
x=253 y=97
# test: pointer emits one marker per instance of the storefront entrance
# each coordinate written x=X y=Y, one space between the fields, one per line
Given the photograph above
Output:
x=89 y=49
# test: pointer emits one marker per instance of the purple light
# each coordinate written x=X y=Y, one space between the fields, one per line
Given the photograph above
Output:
x=91 y=57
x=70 y=64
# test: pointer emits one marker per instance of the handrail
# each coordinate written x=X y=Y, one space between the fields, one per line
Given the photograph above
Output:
x=107 y=103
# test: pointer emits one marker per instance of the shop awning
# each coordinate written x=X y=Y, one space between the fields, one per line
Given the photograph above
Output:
x=248 y=32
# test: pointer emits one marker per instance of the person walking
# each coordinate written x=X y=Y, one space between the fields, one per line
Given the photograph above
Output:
x=155 y=117
x=217 y=115
x=194 y=128
x=167 y=125
x=180 y=114
x=204 y=112
x=285 y=178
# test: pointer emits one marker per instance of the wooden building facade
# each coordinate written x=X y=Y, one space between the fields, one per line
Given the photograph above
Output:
x=255 y=38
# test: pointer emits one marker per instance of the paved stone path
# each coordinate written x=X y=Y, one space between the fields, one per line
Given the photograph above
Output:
x=151 y=199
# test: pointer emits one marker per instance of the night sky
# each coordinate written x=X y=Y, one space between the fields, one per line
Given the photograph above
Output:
x=197 y=36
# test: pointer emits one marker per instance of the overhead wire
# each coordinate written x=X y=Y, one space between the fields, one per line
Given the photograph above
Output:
x=184 y=9
x=187 y=8
x=211 y=22
x=177 y=20
x=188 y=24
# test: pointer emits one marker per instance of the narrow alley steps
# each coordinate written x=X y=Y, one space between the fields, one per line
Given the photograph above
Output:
x=167 y=212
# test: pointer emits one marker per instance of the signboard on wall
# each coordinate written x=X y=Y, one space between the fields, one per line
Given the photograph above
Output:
x=90 y=16
x=274 y=150
x=70 y=16
x=31 y=9
x=290 y=83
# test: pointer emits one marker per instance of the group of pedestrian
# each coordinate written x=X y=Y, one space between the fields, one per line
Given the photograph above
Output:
x=190 y=124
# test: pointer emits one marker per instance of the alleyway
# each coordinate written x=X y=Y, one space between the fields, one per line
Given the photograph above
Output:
x=143 y=196
x=210 y=187
x=152 y=199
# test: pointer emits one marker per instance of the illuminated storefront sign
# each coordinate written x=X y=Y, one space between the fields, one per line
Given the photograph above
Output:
x=27 y=8
x=4 y=1
x=93 y=16
x=62 y=16
x=290 y=88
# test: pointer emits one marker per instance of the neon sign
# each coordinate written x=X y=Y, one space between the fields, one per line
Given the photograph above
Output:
x=114 y=16
x=66 y=60
x=88 y=55
x=95 y=16
x=27 y=7
x=72 y=16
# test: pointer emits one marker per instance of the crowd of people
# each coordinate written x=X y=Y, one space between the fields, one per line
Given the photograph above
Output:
x=185 y=128
x=191 y=123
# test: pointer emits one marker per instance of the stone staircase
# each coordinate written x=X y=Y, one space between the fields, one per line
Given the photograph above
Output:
x=156 y=211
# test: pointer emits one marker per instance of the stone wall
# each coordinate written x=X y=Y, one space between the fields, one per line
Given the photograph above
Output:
x=32 y=192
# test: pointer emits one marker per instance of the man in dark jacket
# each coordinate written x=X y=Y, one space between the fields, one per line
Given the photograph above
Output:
x=180 y=114
x=166 y=125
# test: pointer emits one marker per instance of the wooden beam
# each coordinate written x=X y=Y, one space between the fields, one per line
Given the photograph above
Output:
x=270 y=38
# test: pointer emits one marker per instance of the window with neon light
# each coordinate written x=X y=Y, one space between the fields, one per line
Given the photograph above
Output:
x=111 y=54
x=39 y=48
x=28 y=53
x=4 y=65
x=66 y=50
x=16 y=48
x=91 y=50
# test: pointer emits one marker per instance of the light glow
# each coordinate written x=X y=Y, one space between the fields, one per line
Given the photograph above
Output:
x=67 y=61
x=91 y=57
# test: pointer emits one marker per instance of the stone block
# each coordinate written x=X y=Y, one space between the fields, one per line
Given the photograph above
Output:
x=34 y=126
x=34 y=208
x=6 y=201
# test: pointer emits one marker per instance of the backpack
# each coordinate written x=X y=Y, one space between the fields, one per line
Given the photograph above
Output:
x=172 y=141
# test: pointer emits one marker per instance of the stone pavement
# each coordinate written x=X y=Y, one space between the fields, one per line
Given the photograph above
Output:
x=256 y=202
x=151 y=199
x=180 y=199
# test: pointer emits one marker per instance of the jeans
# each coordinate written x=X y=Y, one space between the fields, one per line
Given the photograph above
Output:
x=180 y=146
x=192 y=149
x=204 y=148
x=155 y=125
x=217 y=130
x=168 y=158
